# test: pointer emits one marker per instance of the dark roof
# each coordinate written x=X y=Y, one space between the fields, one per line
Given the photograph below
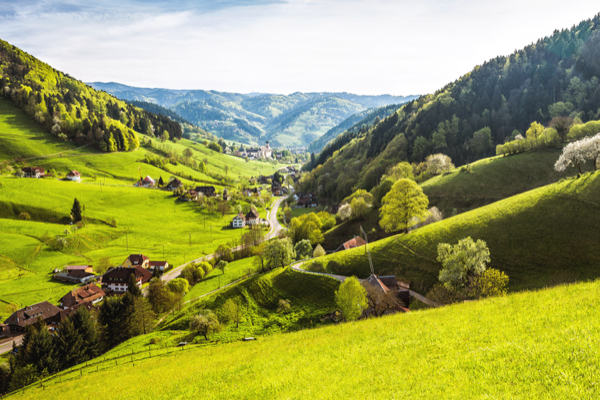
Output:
x=78 y=267
x=29 y=315
x=252 y=214
x=79 y=274
x=33 y=170
x=205 y=189
x=158 y=263
x=64 y=314
x=82 y=294
x=121 y=274
x=376 y=282
x=137 y=259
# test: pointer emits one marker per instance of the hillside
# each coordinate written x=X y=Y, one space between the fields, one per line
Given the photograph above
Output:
x=352 y=124
x=285 y=120
x=540 y=238
x=555 y=77
x=311 y=298
x=543 y=351
x=73 y=111
x=121 y=218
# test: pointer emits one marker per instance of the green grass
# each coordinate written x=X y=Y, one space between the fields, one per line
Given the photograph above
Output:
x=215 y=279
x=311 y=298
x=494 y=179
x=543 y=237
x=534 y=345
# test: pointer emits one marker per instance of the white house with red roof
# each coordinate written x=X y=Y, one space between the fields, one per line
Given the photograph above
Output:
x=74 y=176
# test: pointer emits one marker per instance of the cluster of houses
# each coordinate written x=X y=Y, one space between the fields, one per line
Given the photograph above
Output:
x=39 y=172
x=114 y=282
x=258 y=153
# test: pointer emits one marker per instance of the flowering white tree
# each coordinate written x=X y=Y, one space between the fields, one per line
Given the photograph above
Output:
x=579 y=152
x=345 y=211
x=438 y=163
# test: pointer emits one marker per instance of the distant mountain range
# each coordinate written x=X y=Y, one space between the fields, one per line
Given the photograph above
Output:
x=284 y=120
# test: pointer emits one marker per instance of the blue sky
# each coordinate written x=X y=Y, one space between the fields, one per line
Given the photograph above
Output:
x=367 y=47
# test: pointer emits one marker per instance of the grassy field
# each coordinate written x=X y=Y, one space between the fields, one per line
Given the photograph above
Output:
x=529 y=345
x=543 y=237
x=494 y=179
x=311 y=298
x=215 y=279
x=149 y=221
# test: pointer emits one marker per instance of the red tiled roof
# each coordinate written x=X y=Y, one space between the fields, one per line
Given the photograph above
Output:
x=77 y=267
x=137 y=259
x=87 y=293
x=158 y=263
x=352 y=243
x=74 y=173
x=121 y=275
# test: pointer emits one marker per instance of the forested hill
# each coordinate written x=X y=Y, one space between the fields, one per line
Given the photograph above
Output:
x=71 y=110
x=557 y=76
x=296 y=119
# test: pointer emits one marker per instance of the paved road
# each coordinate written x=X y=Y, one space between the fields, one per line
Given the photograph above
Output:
x=275 y=228
x=341 y=278
x=5 y=347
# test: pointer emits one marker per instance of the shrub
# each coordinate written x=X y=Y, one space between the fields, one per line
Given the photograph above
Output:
x=25 y=216
x=319 y=251
x=154 y=340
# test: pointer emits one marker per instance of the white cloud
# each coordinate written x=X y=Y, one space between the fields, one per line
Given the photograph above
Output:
x=396 y=47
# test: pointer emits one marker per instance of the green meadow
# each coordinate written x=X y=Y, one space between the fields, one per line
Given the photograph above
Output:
x=542 y=237
x=148 y=221
x=532 y=345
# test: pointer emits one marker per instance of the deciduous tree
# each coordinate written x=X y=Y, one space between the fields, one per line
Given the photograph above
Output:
x=351 y=298
x=205 y=323
x=404 y=206
x=461 y=262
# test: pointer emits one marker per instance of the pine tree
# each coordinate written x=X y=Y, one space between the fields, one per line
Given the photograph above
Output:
x=161 y=183
x=83 y=322
x=132 y=286
x=40 y=351
x=68 y=344
x=76 y=211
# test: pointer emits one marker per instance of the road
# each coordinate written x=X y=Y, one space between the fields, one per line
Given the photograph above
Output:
x=275 y=229
x=341 y=278
x=5 y=347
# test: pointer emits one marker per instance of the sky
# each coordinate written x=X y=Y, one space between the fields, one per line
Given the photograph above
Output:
x=280 y=46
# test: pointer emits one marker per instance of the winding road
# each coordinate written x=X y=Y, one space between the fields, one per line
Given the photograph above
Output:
x=275 y=229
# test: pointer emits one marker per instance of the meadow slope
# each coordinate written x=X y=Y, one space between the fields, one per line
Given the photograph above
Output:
x=541 y=237
x=529 y=345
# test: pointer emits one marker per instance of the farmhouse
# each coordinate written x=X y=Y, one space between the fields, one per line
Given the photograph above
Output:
x=239 y=221
x=74 y=176
x=356 y=241
x=24 y=317
x=209 y=191
x=160 y=266
x=135 y=260
x=75 y=276
x=85 y=294
x=148 y=182
x=190 y=195
x=117 y=279
x=174 y=184
x=34 y=172
x=84 y=268
x=387 y=284
x=252 y=217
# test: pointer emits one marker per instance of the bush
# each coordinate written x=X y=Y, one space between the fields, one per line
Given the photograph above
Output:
x=154 y=340
x=25 y=216
x=319 y=251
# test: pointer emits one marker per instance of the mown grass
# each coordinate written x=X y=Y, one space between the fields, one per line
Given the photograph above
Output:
x=493 y=179
x=533 y=345
x=311 y=298
x=543 y=237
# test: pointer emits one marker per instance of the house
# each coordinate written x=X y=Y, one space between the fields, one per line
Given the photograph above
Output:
x=239 y=221
x=74 y=176
x=161 y=266
x=252 y=218
x=148 y=182
x=352 y=243
x=34 y=172
x=24 y=317
x=265 y=151
x=209 y=191
x=190 y=195
x=174 y=184
x=278 y=156
x=75 y=276
x=135 y=260
x=85 y=294
x=399 y=288
x=117 y=279
x=84 y=268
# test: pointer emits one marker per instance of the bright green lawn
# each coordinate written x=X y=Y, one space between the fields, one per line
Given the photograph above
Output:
x=533 y=345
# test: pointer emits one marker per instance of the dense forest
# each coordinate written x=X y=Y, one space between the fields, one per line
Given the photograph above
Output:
x=72 y=110
x=466 y=119
x=156 y=109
